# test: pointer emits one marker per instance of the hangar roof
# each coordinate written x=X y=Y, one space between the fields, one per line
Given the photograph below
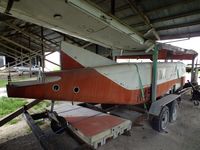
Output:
x=153 y=19
x=171 y=19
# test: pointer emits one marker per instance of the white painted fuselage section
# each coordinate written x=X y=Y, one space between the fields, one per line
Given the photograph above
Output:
x=128 y=76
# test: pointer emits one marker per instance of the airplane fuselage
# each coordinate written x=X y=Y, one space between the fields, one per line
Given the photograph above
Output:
x=113 y=84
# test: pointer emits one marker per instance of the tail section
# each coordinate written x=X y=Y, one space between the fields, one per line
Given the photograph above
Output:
x=68 y=63
x=75 y=57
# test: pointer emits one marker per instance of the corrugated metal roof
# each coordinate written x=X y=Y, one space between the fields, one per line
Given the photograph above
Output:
x=170 y=18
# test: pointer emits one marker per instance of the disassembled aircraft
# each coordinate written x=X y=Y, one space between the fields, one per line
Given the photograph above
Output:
x=90 y=78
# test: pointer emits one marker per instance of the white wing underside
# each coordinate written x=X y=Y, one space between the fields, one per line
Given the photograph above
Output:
x=106 y=30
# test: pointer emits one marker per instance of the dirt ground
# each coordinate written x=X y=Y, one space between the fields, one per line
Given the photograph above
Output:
x=181 y=135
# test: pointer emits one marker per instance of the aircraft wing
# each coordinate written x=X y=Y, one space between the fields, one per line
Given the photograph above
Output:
x=81 y=19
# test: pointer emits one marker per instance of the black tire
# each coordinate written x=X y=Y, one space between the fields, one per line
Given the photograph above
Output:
x=173 y=111
x=161 y=122
x=58 y=128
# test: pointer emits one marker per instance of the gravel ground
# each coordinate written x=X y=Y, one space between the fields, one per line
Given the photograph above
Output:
x=181 y=135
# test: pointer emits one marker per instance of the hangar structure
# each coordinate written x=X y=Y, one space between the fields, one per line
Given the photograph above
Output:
x=112 y=28
x=21 y=40
x=125 y=25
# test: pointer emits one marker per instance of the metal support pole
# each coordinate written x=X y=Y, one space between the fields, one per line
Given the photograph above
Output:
x=52 y=105
x=112 y=7
x=97 y=49
x=42 y=47
x=154 y=74
x=30 y=61
x=30 y=67
x=192 y=70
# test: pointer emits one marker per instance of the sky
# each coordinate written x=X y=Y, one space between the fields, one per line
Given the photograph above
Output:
x=55 y=57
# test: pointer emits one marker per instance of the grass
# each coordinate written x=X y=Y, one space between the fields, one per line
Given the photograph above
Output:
x=42 y=106
x=3 y=83
x=8 y=105
x=14 y=121
x=20 y=78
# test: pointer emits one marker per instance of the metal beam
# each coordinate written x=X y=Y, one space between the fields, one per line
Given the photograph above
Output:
x=17 y=44
x=18 y=112
x=154 y=75
x=182 y=25
x=100 y=1
x=159 y=8
x=192 y=70
x=135 y=8
x=3 y=53
x=46 y=40
x=53 y=62
x=39 y=134
x=10 y=32
x=9 y=53
x=121 y=8
x=86 y=45
x=27 y=59
x=12 y=49
x=183 y=35
x=178 y=25
x=33 y=36
x=126 y=6
x=36 y=53
x=180 y=15
x=42 y=48
x=146 y=20
x=38 y=44
x=71 y=39
x=28 y=49
x=112 y=8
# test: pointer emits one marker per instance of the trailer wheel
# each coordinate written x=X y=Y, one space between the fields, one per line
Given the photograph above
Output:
x=58 y=127
x=173 y=111
x=161 y=122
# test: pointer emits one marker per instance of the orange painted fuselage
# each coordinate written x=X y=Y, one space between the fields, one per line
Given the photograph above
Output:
x=86 y=85
x=88 y=77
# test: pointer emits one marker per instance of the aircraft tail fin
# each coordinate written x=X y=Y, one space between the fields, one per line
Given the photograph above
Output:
x=73 y=57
